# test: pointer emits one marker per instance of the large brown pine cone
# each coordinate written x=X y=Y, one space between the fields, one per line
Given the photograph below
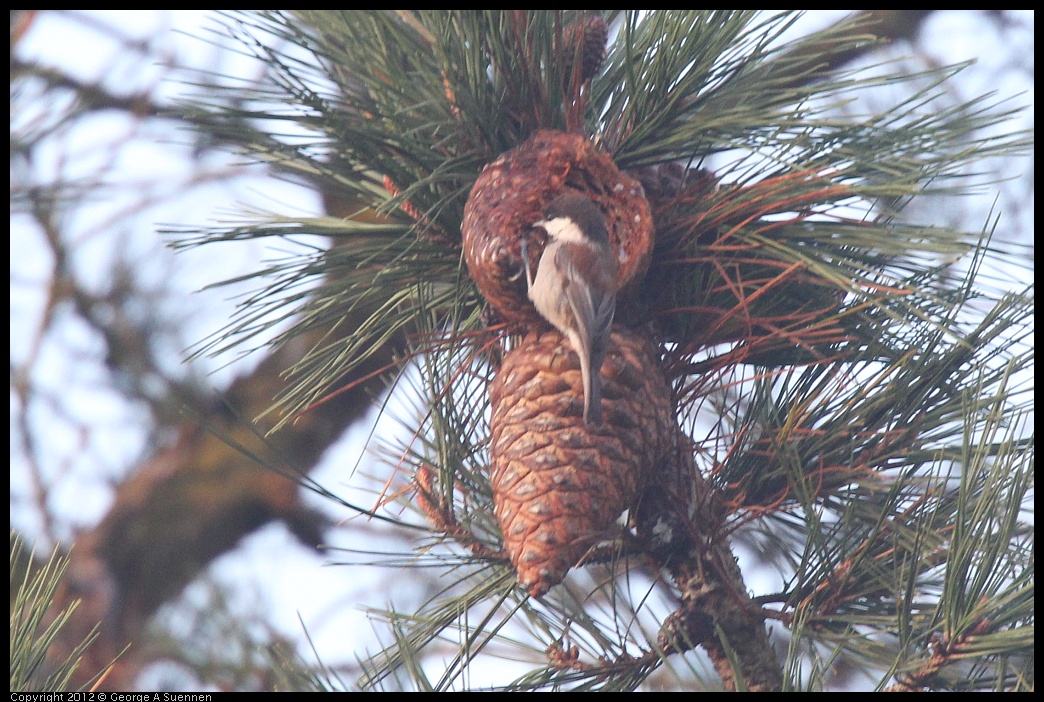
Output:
x=559 y=484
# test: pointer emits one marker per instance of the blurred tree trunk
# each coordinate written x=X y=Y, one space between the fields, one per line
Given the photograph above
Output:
x=195 y=500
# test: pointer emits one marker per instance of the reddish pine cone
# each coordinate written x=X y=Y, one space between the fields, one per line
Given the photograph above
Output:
x=512 y=193
x=586 y=38
x=560 y=484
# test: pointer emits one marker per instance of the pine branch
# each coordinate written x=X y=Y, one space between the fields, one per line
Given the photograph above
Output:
x=40 y=660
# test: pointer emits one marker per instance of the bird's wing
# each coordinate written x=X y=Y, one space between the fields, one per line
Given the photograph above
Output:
x=592 y=310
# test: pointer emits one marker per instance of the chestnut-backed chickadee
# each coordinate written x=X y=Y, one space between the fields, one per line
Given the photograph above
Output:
x=575 y=286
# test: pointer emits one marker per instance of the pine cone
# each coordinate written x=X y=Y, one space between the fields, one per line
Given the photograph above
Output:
x=669 y=181
x=512 y=193
x=586 y=37
x=560 y=484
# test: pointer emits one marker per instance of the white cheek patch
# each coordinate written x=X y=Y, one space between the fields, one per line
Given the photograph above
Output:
x=564 y=229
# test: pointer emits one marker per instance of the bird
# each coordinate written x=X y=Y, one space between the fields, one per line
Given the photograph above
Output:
x=575 y=286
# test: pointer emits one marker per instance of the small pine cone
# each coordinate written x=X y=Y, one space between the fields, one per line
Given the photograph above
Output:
x=679 y=509
x=512 y=193
x=665 y=182
x=560 y=484
x=587 y=35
